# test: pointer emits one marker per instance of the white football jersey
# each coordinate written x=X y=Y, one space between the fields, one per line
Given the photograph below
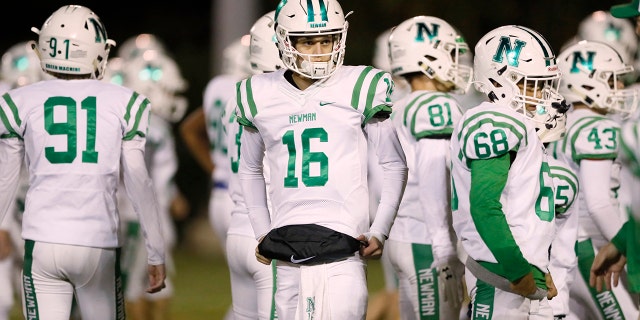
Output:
x=563 y=258
x=424 y=121
x=316 y=143
x=591 y=136
x=487 y=131
x=630 y=155
x=217 y=93
x=73 y=132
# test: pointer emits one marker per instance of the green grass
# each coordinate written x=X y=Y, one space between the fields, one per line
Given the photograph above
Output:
x=202 y=288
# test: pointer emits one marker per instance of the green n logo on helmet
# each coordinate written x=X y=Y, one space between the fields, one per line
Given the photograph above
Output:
x=512 y=53
x=586 y=63
x=101 y=33
x=422 y=28
x=311 y=14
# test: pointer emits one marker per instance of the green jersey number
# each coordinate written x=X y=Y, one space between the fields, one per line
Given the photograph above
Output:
x=611 y=135
x=235 y=163
x=496 y=145
x=545 y=207
x=216 y=125
x=437 y=116
x=308 y=158
x=69 y=128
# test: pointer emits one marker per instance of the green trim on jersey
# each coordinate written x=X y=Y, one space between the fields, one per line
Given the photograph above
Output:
x=5 y=119
x=242 y=120
x=134 y=130
x=427 y=282
x=492 y=118
x=575 y=134
x=132 y=100
x=569 y=178
x=605 y=301
x=488 y=180
x=369 y=109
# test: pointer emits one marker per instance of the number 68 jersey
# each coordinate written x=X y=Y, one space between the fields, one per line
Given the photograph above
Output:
x=315 y=141
x=527 y=200
x=73 y=132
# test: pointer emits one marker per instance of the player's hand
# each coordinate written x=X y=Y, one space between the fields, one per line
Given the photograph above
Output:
x=451 y=273
x=157 y=275
x=262 y=259
x=552 y=291
x=524 y=286
x=606 y=267
x=6 y=246
x=370 y=248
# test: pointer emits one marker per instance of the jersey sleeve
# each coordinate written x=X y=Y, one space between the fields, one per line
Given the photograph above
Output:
x=431 y=116
x=566 y=186
x=372 y=93
x=136 y=118
x=595 y=138
x=630 y=146
x=10 y=118
x=246 y=110
x=490 y=134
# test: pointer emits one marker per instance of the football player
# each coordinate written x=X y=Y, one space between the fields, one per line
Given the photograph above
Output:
x=77 y=134
x=592 y=80
x=425 y=52
x=502 y=191
x=313 y=120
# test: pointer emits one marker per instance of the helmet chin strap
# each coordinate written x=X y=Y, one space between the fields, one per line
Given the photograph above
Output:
x=315 y=69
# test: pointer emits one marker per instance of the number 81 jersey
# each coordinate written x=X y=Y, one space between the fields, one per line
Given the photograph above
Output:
x=527 y=200
x=316 y=146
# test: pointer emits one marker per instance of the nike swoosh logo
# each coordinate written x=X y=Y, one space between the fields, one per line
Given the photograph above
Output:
x=300 y=260
x=323 y=103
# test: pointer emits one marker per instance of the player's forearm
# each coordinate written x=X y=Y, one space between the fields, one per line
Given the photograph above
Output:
x=392 y=159
x=595 y=177
x=252 y=181
x=139 y=189
x=193 y=131
x=11 y=158
x=488 y=179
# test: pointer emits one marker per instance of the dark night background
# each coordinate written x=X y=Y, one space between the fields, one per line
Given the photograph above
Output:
x=185 y=26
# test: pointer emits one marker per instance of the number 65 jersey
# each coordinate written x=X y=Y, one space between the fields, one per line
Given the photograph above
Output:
x=315 y=143
x=526 y=201
x=73 y=131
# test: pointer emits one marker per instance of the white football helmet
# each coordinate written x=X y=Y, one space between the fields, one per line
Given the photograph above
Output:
x=432 y=46
x=592 y=74
x=510 y=56
x=135 y=46
x=619 y=33
x=297 y=18
x=158 y=77
x=381 y=59
x=263 y=49
x=73 y=40
x=20 y=65
x=235 y=57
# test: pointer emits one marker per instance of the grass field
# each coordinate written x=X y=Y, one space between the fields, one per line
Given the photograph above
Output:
x=203 y=289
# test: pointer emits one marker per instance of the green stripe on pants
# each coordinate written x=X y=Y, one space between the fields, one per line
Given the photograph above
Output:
x=30 y=299
x=427 y=281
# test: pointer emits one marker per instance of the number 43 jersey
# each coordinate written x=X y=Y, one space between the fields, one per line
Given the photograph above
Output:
x=73 y=132
x=489 y=131
x=315 y=141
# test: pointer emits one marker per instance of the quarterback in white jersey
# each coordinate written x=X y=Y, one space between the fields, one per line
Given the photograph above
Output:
x=421 y=244
x=592 y=82
x=502 y=191
x=313 y=121
x=75 y=134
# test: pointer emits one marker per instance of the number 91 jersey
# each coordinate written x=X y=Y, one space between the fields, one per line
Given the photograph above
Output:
x=73 y=132
x=488 y=131
x=315 y=141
